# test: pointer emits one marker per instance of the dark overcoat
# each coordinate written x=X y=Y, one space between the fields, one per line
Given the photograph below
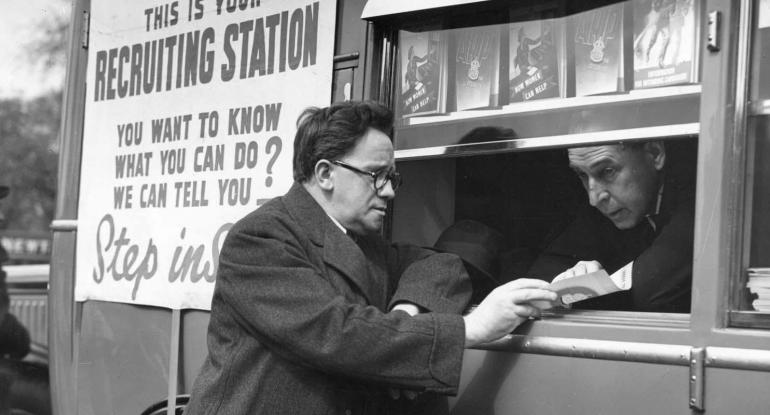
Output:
x=299 y=321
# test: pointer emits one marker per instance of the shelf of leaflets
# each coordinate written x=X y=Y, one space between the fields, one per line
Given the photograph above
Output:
x=666 y=112
x=757 y=293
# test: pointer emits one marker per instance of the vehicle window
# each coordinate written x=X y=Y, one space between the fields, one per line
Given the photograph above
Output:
x=527 y=214
x=552 y=138
x=752 y=290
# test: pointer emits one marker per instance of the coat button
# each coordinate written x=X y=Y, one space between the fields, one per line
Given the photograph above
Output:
x=348 y=412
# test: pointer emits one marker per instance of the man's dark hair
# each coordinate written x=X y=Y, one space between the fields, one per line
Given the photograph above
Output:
x=331 y=132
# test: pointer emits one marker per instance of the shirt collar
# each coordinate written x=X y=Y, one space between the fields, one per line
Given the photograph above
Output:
x=339 y=225
x=657 y=209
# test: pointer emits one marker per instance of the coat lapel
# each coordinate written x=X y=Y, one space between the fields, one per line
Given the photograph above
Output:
x=339 y=250
x=342 y=254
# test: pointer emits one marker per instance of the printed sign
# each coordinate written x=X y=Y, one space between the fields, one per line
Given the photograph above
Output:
x=423 y=73
x=477 y=61
x=599 y=54
x=189 y=125
x=664 y=42
x=534 y=60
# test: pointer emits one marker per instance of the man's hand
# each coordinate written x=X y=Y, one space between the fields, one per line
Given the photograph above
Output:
x=504 y=309
x=582 y=267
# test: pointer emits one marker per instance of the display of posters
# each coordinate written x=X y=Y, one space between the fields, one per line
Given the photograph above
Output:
x=534 y=60
x=422 y=65
x=190 y=116
x=477 y=67
x=598 y=50
x=664 y=42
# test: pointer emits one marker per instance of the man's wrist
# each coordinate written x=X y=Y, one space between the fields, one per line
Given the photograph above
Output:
x=472 y=337
x=409 y=308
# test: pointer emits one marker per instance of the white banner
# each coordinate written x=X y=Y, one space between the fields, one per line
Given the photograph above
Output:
x=189 y=125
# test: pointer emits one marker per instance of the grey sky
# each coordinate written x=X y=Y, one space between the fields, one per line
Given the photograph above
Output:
x=18 y=25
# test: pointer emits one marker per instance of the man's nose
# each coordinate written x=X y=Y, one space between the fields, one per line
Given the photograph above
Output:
x=387 y=191
x=596 y=193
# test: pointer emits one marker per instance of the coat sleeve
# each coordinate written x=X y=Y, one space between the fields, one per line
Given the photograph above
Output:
x=437 y=282
x=281 y=297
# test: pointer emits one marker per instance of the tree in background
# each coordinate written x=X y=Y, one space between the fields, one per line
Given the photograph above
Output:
x=29 y=129
x=28 y=160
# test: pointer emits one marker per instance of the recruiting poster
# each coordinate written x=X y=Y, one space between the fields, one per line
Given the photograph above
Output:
x=423 y=72
x=191 y=108
x=665 y=42
x=477 y=71
x=598 y=50
x=534 y=65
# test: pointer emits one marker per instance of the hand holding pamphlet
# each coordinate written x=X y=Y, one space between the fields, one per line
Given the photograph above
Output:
x=589 y=285
x=593 y=284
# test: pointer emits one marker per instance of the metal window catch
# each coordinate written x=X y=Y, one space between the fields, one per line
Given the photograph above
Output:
x=697 y=377
x=712 y=43
x=85 y=30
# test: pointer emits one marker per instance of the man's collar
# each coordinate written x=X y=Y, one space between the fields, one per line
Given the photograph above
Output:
x=336 y=222
x=657 y=209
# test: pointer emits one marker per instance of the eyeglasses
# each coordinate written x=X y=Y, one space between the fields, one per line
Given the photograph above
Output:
x=379 y=179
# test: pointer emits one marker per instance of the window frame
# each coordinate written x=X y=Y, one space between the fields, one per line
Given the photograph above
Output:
x=718 y=227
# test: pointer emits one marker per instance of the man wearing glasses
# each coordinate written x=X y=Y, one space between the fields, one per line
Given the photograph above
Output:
x=314 y=313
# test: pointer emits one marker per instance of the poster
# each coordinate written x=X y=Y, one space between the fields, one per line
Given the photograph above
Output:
x=535 y=60
x=664 y=42
x=190 y=117
x=598 y=48
x=477 y=67
x=423 y=73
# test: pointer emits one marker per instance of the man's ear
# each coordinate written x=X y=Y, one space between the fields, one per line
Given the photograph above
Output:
x=323 y=174
x=657 y=152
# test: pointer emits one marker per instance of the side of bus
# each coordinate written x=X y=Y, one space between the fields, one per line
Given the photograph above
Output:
x=111 y=357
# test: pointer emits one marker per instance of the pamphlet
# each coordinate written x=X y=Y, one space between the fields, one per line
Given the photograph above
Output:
x=665 y=34
x=593 y=284
x=534 y=60
x=477 y=61
x=423 y=68
x=599 y=50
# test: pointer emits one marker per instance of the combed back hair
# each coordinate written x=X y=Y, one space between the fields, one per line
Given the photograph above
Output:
x=330 y=133
x=622 y=145
x=633 y=145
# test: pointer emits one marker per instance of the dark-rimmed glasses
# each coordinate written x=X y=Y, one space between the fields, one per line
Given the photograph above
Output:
x=379 y=179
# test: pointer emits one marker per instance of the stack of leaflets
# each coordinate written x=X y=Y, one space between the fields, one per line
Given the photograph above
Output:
x=759 y=284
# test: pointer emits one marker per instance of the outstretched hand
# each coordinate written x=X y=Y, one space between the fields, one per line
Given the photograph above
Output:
x=504 y=309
